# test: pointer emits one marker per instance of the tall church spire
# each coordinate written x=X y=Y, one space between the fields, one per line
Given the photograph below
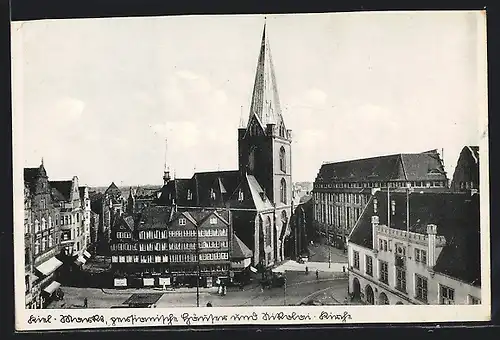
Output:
x=166 y=169
x=265 y=100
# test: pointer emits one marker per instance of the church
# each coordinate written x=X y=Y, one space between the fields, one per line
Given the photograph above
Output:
x=259 y=192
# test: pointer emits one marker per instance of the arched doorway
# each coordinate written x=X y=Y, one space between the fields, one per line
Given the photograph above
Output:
x=399 y=303
x=370 y=297
x=383 y=299
x=356 y=289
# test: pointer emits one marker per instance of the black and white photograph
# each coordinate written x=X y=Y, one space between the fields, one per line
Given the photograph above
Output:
x=248 y=169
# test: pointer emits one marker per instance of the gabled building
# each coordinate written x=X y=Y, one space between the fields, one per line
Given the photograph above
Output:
x=342 y=189
x=163 y=246
x=259 y=192
x=416 y=247
x=42 y=239
x=66 y=194
x=466 y=175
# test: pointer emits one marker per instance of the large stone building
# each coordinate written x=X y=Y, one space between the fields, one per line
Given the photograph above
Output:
x=42 y=239
x=342 y=190
x=259 y=192
x=466 y=175
x=416 y=247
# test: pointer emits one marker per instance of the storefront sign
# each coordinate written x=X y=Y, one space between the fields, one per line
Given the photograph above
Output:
x=149 y=282
x=121 y=282
x=164 y=281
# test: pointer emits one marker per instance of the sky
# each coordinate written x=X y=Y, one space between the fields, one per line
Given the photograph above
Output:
x=98 y=97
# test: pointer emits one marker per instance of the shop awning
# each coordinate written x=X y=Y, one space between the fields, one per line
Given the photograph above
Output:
x=81 y=259
x=253 y=269
x=52 y=287
x=87 y=254
x=278 y=270
x=49 y=266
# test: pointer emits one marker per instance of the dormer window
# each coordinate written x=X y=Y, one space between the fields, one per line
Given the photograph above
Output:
x=182 y=221
x=213 y=220
x=393 y=207
x=240 y=195
x=189 y=195
x=212 y=194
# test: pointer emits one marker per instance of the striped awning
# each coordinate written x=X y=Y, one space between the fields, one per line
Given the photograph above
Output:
x=87 y=254
x=52 y=287
x=49 y=266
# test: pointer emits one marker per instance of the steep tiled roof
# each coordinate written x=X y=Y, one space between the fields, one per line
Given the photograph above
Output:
x=456 y=216
x=217 y=180
x=113 y=190
x=419 y=166
x=63 y=187
x=124 y=223
x=239 y=250
x=155 y=217
x=259 y=197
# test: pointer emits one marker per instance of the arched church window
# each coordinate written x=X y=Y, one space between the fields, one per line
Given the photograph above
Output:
x=251 y=160
x=283 y=191
x=268 y=230
x=282 y=159
x=284 y=218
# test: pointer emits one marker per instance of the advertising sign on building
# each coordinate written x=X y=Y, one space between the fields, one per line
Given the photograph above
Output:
x=149 y=282
x=164 y=281
x=120 y=282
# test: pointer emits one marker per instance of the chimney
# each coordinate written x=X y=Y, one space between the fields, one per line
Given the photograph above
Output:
x=375 y=222
x=431 y=245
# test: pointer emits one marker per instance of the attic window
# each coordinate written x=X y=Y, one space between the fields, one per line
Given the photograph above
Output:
x=212 y=194
x=213 y=220
x=240 y=195
x=182 y=221
x=375 y=205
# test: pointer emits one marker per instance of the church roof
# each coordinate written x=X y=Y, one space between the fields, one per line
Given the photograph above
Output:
x=265 y=103
x=152 y=217
x=239 y=250
x=260 y=200
x=456 y=216
x=397 y=167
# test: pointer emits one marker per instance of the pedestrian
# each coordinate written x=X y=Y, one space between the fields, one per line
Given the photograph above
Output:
x=343 y=269
x=209 y=304
x=307 y=270
x=85 y=303
x=317 y=274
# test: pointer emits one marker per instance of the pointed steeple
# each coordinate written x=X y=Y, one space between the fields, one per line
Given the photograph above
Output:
x=166 y=169
x=265 y=100
x=242 y=119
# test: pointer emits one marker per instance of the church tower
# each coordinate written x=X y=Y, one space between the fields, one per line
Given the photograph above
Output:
x=264 y=144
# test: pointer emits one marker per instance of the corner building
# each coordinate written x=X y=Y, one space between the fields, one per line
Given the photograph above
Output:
x=259 y=192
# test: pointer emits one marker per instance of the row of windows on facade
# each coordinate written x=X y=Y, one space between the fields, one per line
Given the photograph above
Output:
x=161 y=269
x=338 y=216
x=66 y=234
x=163 y=234
x=44 y=244
x=467 y=185
x=446 y=294
x=386 y=245
x=162 y=246
x=341 y=197
x=417 y=184
x=168 y=258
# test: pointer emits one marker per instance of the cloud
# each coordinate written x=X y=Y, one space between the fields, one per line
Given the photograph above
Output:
x=183 y=134
x=315 y=97
x=69 y=108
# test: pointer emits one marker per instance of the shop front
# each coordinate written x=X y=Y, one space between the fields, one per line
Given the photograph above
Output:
x=51 y=293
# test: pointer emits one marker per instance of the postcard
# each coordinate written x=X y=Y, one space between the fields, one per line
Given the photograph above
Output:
x=251 y=169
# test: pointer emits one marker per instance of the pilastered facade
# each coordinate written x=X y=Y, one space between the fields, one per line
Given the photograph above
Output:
x=42 y=239
x=341 y=190
x=259 y=192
